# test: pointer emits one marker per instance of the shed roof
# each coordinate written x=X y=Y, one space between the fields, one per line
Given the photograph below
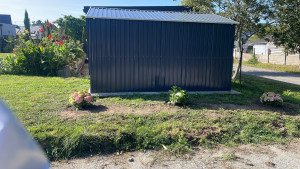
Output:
x=126 y=14
x=153 y=8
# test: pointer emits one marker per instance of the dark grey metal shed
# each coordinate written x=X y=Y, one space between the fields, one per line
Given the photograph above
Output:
x=150 y=51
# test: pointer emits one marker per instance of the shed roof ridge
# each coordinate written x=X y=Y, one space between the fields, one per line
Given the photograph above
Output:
x=142 y=10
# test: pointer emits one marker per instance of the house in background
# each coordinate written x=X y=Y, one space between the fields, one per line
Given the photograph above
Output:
x=34 y=31
x=6 y=27
x=266 y=51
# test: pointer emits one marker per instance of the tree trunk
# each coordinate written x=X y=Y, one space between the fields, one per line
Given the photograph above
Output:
x=239 y=66
x=285 y=58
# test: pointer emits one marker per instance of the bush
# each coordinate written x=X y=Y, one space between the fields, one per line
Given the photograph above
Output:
x=178 y=96
x=270 y=98
x=10 y=44
x=253 y=60
x=81 y=100
x=43 y=58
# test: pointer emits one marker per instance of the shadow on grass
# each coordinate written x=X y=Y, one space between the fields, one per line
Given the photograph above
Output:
x=96 y=108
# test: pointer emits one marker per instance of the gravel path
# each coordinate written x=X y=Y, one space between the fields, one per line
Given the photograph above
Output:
x=272 y=74
x=245 y=156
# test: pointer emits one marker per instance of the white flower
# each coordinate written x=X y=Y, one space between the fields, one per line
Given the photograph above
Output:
x=179 y=94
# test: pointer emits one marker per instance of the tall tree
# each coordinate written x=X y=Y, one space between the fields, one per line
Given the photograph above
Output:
x=71 y=26
x=27 y=22
x=249 y=14
x=286 y=33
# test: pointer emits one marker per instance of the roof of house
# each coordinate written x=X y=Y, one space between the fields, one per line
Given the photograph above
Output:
x=127 y=14
x=34 y=29
x=264 y=40
x=5 y=19
x=154 y=8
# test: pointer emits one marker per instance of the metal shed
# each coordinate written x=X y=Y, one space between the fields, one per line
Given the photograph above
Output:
x=150 y=51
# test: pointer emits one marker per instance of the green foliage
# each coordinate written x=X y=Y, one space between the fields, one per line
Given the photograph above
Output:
x=10 y=44
x=81 y=100
x=205 y=6
x=271 y=98
x=7 y=45
x=44 y=58
x=283 y=68
x=253 y=60
x=84 y=40
x=286 y=16
x=71 y=27
x=182 y=145
x=178 y=96
x=229 y=157
x=27 y=23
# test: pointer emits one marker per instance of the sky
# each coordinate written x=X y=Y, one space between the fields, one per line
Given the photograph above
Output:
x=54 y=9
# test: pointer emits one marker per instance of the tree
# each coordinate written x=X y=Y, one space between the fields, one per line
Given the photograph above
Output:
x=286 y=33
x=27 y=22
x=205 y=6
x=84 y=40
x=249 y=14
x=71 y=27
x=38 y=22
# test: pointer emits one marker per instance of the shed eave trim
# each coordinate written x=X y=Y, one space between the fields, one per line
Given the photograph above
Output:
x=137 y=19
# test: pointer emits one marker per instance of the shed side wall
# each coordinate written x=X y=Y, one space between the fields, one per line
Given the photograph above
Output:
x=144 y=56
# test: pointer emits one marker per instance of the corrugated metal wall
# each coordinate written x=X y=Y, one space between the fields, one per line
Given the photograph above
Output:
x=144 y=56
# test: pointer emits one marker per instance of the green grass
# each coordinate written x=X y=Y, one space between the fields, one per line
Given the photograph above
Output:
x=3 y=55
x=283 y=68
x=228 y=157
x=37 y=101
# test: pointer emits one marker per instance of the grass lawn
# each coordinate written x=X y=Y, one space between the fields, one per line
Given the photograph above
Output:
x=3 y=55
x=282 y=68
x=144 y=121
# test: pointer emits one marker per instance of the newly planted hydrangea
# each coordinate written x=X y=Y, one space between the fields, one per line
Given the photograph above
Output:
x=271 y=98
x=178 y=96
x=81 y=100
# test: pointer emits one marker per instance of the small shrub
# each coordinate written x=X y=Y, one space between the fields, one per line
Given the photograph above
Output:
x=81 y=100
x=253 y=60
x=229 y=157
x=178 y=96
x=271 y=98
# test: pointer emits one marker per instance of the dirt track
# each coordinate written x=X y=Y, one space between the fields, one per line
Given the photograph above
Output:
x=245 y=156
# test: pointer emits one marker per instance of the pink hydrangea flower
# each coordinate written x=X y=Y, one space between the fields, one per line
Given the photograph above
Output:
x=75 y=95
x=78 y=100
x=88 y=98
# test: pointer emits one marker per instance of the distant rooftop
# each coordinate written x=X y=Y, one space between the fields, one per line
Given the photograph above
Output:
x=149 y=15
x=152 y=8
x=5 y=19
x=264 y=40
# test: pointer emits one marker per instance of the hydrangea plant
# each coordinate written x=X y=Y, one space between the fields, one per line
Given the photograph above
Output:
x=178 y=96
x=81 y=99
x=271 y=98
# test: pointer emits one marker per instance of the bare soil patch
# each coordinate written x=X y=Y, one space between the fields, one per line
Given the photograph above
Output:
x=112 y=108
